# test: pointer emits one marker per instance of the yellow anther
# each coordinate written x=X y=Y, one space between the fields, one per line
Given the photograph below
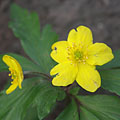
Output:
x=9 y=74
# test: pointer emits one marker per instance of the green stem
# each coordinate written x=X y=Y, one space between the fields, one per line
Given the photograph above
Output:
x=38 y=73
x=75 y=98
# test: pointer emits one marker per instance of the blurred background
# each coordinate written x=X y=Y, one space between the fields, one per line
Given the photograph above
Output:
x=102 y=16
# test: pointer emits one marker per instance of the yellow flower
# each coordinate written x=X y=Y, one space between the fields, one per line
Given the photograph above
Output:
x=77 y=59
x=16 y=73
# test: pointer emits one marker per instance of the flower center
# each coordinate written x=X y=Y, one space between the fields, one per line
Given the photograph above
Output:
x=13 y=73
x=78 y=55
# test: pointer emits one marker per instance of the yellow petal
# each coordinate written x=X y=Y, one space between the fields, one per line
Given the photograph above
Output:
x=88 y=77
x=59 y=53
x=99 y=54
x=65 y=74
x=10 y=62
x=14 y=64
x=11 y=88
x=82 y=37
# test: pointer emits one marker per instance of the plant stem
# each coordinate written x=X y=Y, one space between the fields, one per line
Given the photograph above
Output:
x=73 y=97
x=38 y=73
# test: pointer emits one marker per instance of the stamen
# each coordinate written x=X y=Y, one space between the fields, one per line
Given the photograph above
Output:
x=78 y=55
x=12 y=74
x=73 y=44
x=68 y=53
x=9 y=74
x=75 y=53
x=68 y=58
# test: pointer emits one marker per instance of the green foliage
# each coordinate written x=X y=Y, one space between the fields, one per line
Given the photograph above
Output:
x=16 y=102
x=46 y=101
x=70 y=112
x=75 y=90
x=99 y=107
x=31 y=114
x=36 y=44
x=111 y=80
x=87 y=115
x=34 y=92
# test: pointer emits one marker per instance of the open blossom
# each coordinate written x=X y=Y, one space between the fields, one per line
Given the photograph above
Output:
x=77 y=59
x=16 y=73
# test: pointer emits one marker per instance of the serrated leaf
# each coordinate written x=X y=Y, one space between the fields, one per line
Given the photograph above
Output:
x=111 y=80
x=37 y=45
x=26 y=27
x=115 y=63
x=26 y=64
x=70 y=112
x=99 y=107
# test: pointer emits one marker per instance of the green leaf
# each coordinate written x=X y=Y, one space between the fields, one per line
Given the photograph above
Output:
x=99 y=107
x=26 y=27
x=48 y=37
x=70 y=112
x=26 y=64
x=111 y=80
x=115 y=63
x=37 y=45
x=75 y=90
x=46 y=101
x=87 y=115
x=16 y=105
x=61 y=94
x=14 y=99
x=31 y=114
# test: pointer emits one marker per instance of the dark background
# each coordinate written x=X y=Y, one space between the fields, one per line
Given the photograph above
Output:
x=102 y=16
